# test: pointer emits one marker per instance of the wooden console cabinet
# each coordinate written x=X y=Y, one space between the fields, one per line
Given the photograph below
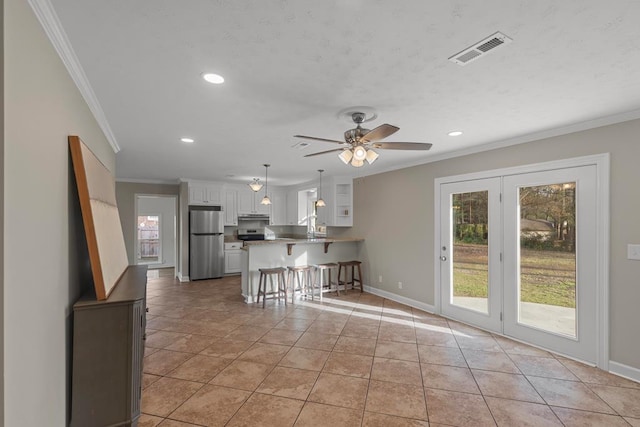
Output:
x=108 y=347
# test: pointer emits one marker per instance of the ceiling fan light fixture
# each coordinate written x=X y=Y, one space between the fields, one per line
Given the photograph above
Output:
x=359 y=141
x=357 y=163
x=372 y=156
x=359 y=153
x=255 y=185
x=346 y=156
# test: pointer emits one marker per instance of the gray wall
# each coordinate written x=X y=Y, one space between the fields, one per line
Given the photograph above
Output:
x=125 y=197
x=399 y=241
x=2 y=209
x=46 y=268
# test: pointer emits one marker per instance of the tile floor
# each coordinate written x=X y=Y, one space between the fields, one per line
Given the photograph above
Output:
x=355 y=360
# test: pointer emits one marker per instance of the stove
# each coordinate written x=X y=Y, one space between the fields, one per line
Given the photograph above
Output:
x=250 y=234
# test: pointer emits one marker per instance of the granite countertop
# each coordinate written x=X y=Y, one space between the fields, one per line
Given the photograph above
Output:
x=289 y=241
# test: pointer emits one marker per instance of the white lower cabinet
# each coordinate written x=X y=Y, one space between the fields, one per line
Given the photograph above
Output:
x=232 y=257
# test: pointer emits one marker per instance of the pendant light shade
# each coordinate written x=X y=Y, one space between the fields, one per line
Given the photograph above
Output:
x=357 y=163
x=346 y=156
x=266 y=200
x=256 y=185
x=320 y=203
x=372 y=156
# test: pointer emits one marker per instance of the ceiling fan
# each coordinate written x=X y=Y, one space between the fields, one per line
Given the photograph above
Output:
x=360 y=142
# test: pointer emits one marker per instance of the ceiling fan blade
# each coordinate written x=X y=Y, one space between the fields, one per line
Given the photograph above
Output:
x=325 y=152
x=402 y=145
x=319 y=139
x=379 y=133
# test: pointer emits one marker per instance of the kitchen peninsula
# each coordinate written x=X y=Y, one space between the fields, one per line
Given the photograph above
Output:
x=290 y=252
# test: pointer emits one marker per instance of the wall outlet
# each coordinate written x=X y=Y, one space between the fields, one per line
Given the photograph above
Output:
x=399 y=285
x=380 y=279
x=633 y=252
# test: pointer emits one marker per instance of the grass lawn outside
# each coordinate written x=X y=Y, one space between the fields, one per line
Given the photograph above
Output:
x=547 y=277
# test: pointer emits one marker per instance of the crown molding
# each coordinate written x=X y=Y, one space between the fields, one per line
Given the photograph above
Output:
x=149 y=181
x=48 y=18
x=535 y=136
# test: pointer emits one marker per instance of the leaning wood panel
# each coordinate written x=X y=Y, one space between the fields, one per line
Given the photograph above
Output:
x=96 y=190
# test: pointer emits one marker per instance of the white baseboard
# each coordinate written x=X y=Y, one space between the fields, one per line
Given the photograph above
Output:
x=183 y=278
x=625 y=371
x=398 y=298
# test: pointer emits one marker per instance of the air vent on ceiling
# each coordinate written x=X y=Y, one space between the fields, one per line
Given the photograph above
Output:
x=301 y=145
x=481 y=48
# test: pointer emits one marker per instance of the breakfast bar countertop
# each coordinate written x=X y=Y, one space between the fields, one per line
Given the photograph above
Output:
x=288 y=241
x=293 y=250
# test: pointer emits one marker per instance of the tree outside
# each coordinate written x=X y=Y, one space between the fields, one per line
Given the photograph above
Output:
x=547 y=244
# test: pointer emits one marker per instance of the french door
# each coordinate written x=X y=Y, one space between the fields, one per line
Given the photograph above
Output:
x=550 y=260
x=518 y=256
x=470 y=252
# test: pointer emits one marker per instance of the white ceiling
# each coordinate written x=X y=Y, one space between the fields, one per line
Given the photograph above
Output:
x=291 y=65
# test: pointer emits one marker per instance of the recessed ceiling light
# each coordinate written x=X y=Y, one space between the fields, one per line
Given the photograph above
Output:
x=213 y=78
x=187 y=140
x=455 y=133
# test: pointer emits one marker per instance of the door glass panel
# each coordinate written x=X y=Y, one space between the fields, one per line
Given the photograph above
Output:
x=547 y=276
x=148 y=239
x=470 y=287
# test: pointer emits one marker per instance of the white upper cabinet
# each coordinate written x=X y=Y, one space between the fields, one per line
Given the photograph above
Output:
x=249 y=202
x=292 y=207
x=278 y=208
x=205 y=194
x=230 y=207
x=246 y=201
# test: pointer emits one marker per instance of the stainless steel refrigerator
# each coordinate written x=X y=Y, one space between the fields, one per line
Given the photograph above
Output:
x=206 y=243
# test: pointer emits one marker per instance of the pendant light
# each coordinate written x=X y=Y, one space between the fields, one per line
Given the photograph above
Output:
x=256 y=185
x=320 y=203
x=266 y=200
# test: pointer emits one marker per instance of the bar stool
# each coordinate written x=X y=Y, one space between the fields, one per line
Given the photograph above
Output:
x=278 y=272
x=301 y=274
x=322 y=271
x=354 y=280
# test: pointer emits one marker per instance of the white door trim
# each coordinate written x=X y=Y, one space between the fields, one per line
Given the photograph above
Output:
x=136 y=196
x=602 y=163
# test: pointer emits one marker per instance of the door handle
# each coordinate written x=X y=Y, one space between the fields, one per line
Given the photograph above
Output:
x=443 y=258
